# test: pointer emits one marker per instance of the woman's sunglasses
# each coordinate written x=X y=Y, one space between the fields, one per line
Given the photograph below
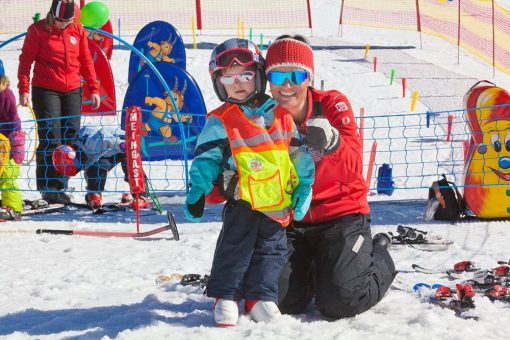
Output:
x=229 y=79
x=294 y=77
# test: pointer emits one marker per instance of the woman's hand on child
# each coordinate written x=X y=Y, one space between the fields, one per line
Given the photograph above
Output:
x=301 y=199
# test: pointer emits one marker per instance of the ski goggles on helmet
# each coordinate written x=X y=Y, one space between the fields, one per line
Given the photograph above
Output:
x=239 y=51
x=295 y=77
x=240 y=56
x=243 y=77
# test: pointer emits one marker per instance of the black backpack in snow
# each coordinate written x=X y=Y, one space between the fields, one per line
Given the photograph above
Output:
x=451 y=205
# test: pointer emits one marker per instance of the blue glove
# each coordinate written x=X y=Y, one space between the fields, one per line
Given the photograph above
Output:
x=301 y=199
x=194 y=205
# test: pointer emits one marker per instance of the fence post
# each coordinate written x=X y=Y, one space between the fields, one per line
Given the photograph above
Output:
x=418 y=21
x=340 y=23
x=309 y=17
x=198 y=6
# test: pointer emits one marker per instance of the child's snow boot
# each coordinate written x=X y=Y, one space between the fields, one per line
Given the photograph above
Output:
x=126 y=198
x=226 y=312
x=94 y=200
x=141 y=202
x=262 y=310
x=7 y=214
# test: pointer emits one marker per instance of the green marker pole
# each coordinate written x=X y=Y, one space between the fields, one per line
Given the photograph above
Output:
x=392 y=76
x=261 y=42
x=508 y=194
x=251 y=34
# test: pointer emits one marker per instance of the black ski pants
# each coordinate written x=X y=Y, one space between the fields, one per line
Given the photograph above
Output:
x=53 y=131
x=336 y=263
x=96 y=174
x=250 y=253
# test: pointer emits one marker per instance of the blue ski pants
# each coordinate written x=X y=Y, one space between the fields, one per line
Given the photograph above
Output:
x=250 y=253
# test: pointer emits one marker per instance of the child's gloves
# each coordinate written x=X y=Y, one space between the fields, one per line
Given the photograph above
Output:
x=301 y=199
x=194 y=205
x=17 y=140
x=321 y=136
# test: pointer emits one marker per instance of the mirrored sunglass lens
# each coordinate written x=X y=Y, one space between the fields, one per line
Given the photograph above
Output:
x=277 y=78
x=246 y=76
x=227 y=80
x=299 y=76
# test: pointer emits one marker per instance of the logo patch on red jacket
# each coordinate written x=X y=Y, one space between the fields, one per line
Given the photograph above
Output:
x=73 y=40
x=341 y=107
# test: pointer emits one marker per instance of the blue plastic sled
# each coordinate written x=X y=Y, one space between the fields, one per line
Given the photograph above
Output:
x=159 y=42
x=161 y=135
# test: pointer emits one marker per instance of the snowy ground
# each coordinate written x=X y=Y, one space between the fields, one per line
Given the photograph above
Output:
x=87 y=287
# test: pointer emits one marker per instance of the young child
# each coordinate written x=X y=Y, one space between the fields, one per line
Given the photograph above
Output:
x=253 y=137
x=12 y=150
x=95 y=151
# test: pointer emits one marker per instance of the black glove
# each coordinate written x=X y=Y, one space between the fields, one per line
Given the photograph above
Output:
x=321 y=136
x=196 y=210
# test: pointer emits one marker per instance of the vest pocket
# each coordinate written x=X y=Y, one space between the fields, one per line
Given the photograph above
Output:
x=266 y=190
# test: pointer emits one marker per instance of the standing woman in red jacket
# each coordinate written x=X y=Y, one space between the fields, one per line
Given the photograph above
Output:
x=58 y=48
x=331 y=254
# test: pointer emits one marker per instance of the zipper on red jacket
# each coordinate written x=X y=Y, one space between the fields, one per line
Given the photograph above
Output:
x=65 y=56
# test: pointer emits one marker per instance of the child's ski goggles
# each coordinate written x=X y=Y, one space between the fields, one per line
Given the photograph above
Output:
x=294 y=77
x=244 y=77
x=240 y=56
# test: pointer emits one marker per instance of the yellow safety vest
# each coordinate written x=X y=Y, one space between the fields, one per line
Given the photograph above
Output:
x=267 y=177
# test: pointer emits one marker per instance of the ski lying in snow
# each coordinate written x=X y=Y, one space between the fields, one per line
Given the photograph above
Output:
x=52 y=207
x=35 y=208
x=458 y=269
x=461 y=302
x=195 y=280
x=418 y=239
x=468 y=270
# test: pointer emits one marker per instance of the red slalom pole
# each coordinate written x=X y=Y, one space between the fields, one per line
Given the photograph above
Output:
x=403 y=87
x=450 y=125
x=375 y=64
x=371 y=164
x=361 y=127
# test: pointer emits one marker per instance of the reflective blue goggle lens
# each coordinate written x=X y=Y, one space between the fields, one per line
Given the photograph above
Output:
x=294 y=77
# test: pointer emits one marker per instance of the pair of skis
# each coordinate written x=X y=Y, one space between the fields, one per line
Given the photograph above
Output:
x=459 y=300
x=492 y=283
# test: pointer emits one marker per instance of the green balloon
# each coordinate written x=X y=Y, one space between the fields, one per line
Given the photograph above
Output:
x=94 y=14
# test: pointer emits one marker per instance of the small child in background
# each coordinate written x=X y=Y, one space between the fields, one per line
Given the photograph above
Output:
x=256 y=140
x=12 y=150
x=96 y=151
